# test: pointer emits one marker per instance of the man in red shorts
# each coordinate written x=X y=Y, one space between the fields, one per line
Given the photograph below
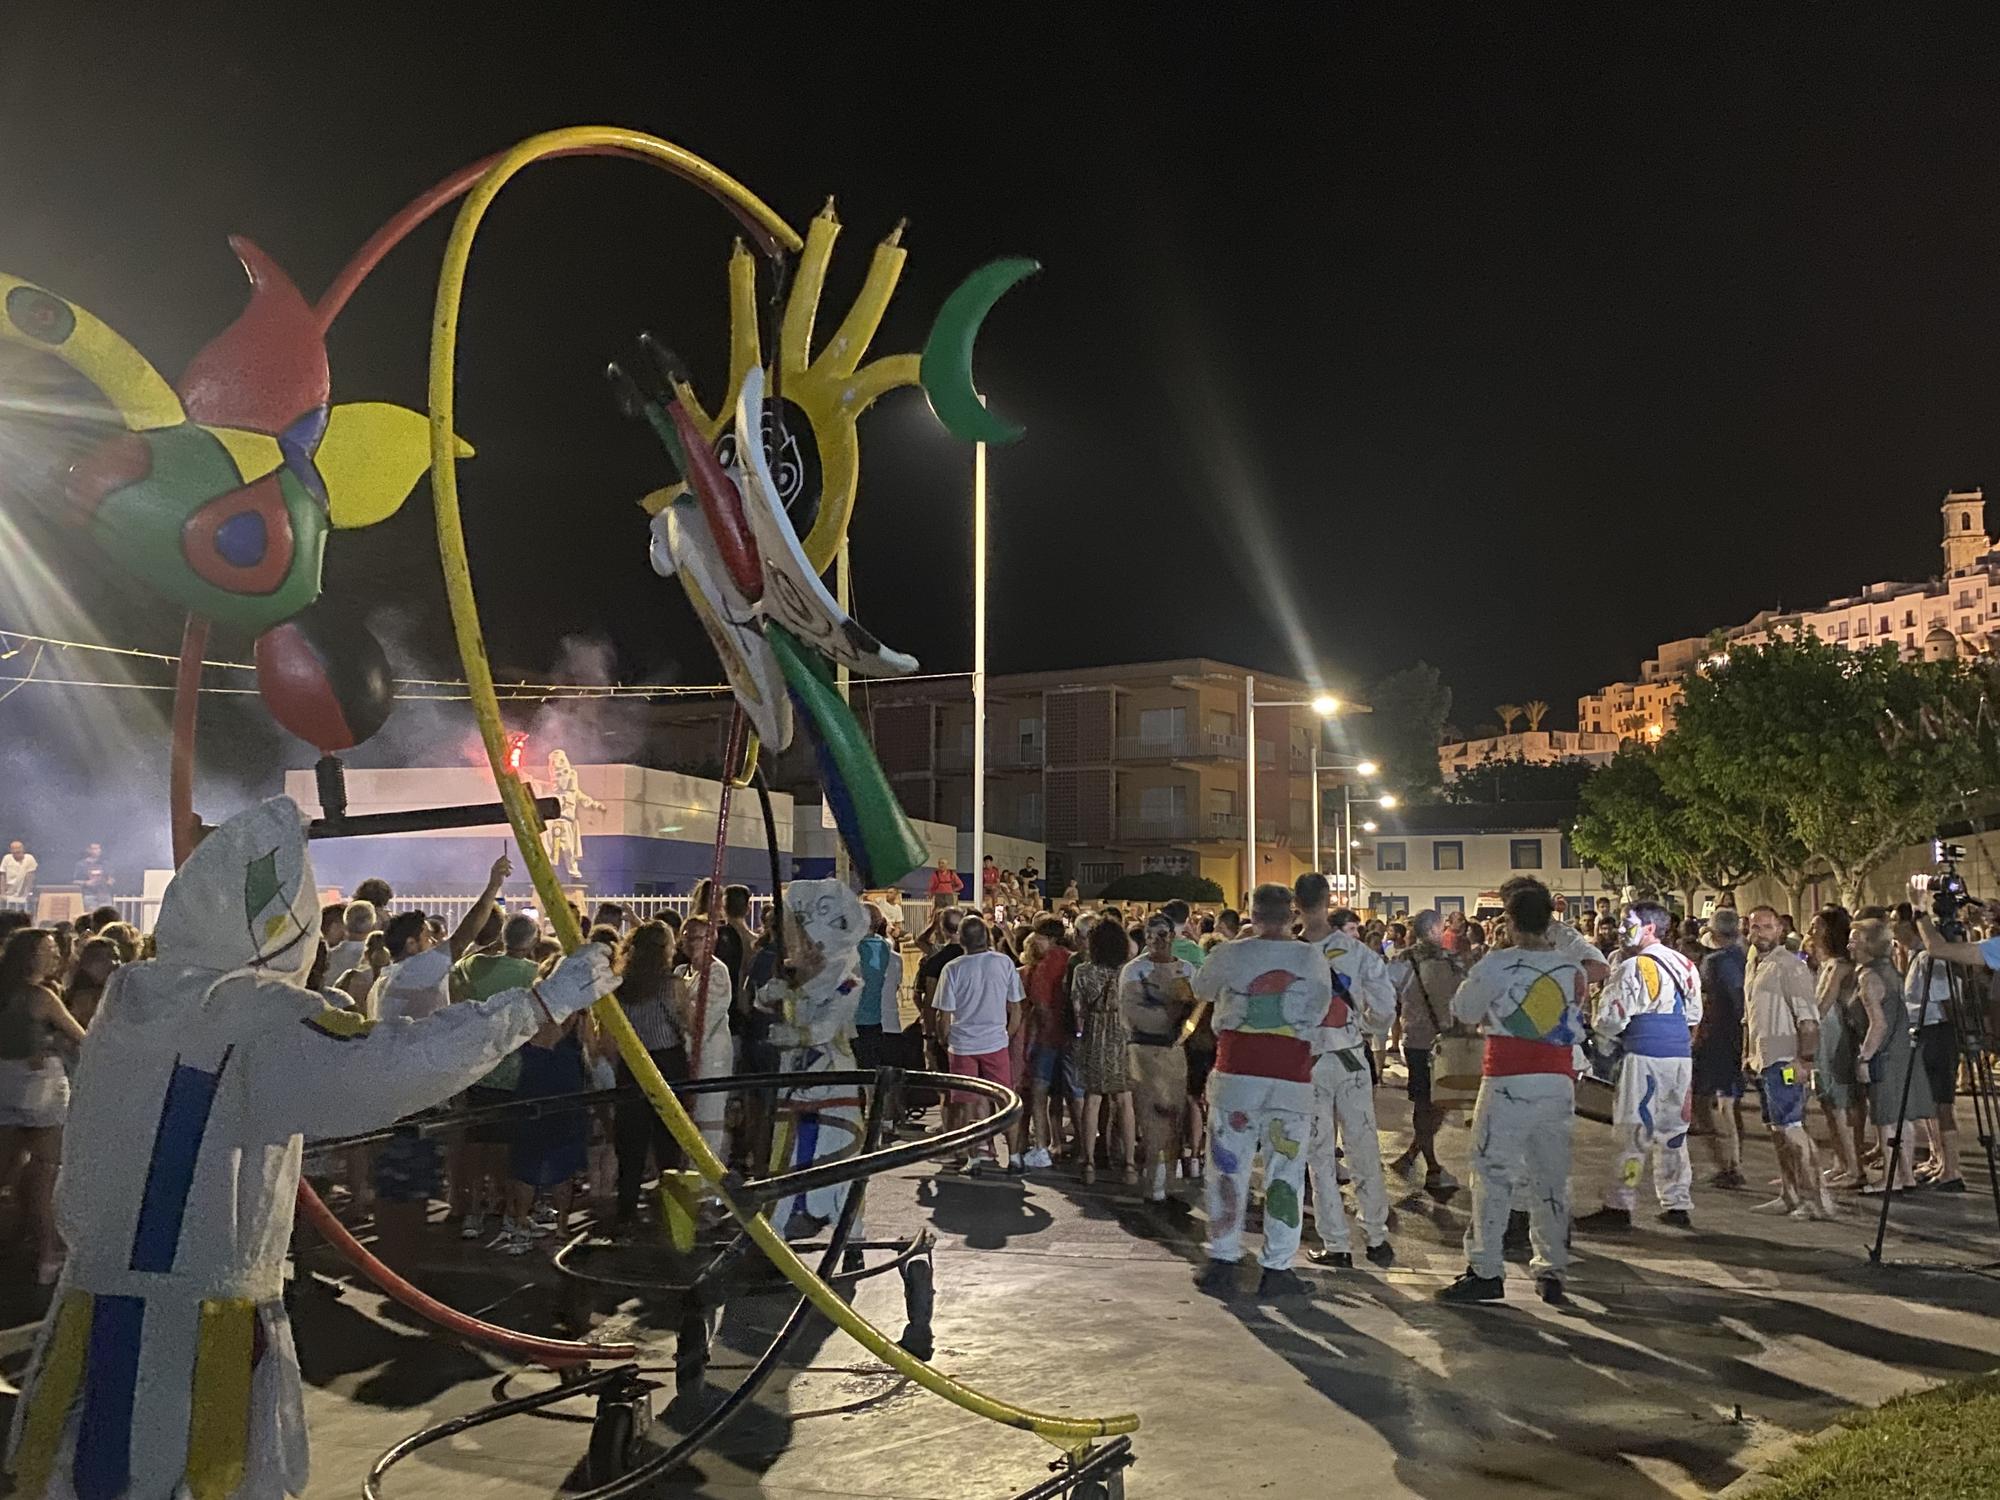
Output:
x=978 y=1003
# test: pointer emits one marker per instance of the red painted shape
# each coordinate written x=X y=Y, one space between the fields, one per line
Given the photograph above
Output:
x=722 y=505
x=114 y=463
x=264 y=496
x=268 y=368
x=293 y=680
x=1272 y=982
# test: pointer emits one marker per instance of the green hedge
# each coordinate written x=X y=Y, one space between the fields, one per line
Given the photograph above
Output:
x=1157 y=886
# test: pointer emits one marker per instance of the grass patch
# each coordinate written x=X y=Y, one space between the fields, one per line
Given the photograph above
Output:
x=1941 y=1444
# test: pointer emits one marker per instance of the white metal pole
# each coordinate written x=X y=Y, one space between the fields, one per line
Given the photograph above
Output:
x=843 y=590
x=1347 y=881
x=1313 y=762
x=978 y=892
x=1249 y=785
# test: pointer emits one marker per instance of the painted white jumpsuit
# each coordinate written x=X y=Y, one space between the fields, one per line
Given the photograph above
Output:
x=1364 y=1004
x=1649 y=1006
x=1528 y=1002
x=715 y=1053
x=1269 y=998
x=1567 y=941
x=165 y=1366
x=824 y=925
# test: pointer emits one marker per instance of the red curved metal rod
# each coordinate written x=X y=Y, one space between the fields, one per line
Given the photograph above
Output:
x=732 y=755
x=180 y=773
x=554 y=1354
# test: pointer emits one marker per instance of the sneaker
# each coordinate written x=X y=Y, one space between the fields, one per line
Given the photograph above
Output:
x=518 y=1244
x=1406 y=1168
x=473 y=1228
x=1342 y=1176
x=509 y=1232
x=1606 y=1220
x=1678 y=1218
x=544 y=1214
x=1440 y=1181
x=1472 y=1287
x=1217 y=1278
x=1039 y=1159
x=1954 y=1185
x=1332 y=1260
x=1728 y=1177
x=1383 y=1254
x=1550 y=1289
x=1285 y=1283
x=1017 y=1166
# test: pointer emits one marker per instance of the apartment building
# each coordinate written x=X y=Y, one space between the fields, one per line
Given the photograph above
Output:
x=1957 y=613
x=1455 y=857
x=1116 y=770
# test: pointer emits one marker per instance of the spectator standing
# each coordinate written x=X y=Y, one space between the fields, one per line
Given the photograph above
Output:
x=943 y=933
x=94 y=962
x=357 y=920
x=34 y=1088
x=1434 y=977
x=1155 y=1000
x=1031 y=886
x=17 y=876
x=89 y=876
x=1886 y=1061
x=979 y=1003
x=652 y=1003
x=711 y=1049
x=480 y=1174
x=1052 y=1063
x=1718 y=1046
x=1842 y=1098
x=1927 y=990
x=1103 y=1052
x=1781 y=1030
x=945 y=886
x=879 y=1015
x=989 y=880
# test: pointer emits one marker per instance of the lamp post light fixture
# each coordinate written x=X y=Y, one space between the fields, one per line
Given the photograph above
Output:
x=1323 y=704
x=1348 y=802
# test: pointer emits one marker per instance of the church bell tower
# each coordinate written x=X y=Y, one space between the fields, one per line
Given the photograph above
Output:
x=1965 y=539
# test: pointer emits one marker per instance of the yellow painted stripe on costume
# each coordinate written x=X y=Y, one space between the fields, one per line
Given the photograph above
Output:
x=219 y=1434
x=55 y=1391
x=341 y=1025
x=1070 y=1432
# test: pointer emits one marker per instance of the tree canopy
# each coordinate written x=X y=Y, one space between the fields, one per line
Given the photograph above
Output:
x=1519 y=780
x=1410 y=708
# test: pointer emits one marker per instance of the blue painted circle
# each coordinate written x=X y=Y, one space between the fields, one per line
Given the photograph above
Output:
x=242 y=539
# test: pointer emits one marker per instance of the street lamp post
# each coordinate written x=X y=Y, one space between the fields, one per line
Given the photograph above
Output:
x=1323 y=704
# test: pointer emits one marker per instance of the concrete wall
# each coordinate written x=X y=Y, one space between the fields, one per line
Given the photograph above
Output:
x=1487 y=865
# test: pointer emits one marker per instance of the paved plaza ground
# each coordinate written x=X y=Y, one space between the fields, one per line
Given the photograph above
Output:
x=1684 y=1360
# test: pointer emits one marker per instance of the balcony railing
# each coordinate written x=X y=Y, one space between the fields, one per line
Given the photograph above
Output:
x=1011 y=756
x=1195 y=745
x=1190 y=828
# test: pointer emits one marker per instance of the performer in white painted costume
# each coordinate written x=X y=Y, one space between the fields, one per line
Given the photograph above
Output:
x=1363 y=1005
x=1528 y=1001
x=1649 y=1009
x=814 y=999
x=565 y=830
x=1270 y=994
x=165 y=1366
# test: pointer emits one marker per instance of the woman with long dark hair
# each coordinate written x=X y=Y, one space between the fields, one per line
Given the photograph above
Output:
x=1842 y=1100
x=34 y=1088
x=1106 y=1076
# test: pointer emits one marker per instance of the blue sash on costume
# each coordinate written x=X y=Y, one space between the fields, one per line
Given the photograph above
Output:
x=1657 y=1035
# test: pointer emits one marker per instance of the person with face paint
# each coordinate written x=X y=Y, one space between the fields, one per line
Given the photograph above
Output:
x=1649 y=1008
x=1156 y=999
x=1269 y=994
x=165 y=1365
x=1363 y=1005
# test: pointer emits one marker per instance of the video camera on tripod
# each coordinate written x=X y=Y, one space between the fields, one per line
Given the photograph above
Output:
x=1948 y=891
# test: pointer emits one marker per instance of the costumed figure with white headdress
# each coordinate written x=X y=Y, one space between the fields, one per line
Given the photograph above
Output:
x=165 y=1365
x=814 y=1001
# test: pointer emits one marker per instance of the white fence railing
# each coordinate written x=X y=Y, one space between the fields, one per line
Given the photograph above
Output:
x=452 y=909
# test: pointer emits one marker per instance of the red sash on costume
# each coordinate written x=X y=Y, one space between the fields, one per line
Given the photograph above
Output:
x=1263 y=1054
x=1512 y=1056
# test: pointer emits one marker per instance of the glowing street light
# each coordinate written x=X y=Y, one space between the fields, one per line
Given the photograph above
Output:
x=1367 y=768
x=1388 y=799
x=1368 y=825
x=1325 y=705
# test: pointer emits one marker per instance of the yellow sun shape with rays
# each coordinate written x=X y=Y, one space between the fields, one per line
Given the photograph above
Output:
x=817 y=470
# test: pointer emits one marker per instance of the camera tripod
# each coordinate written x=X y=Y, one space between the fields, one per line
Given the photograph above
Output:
x=1968 y=1026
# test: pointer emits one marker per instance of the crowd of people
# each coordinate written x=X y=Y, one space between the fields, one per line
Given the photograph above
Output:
x=1155 y=1045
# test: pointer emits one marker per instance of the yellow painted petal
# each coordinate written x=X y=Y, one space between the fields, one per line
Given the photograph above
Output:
x=256 y=453
x=41 y=320
x=372 y=456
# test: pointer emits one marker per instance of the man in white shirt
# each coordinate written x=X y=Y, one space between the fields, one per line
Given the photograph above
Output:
x=417 y=982
x=979 y=1004
x=17 y=875
x=1780 y=1041
x=1363 y=1005
x=1270 y=994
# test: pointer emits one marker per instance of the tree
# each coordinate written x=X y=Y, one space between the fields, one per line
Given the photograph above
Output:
x=1629 y=822
x=1519 y=780
x=1785 y=744
x=1158 y=885
x=1507 y=714
x=1535 y=710
x=1410 y=708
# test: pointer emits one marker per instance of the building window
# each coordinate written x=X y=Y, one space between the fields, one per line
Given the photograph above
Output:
x=1446 y=905
x=1884 y=626
x=1861 y=626
x=1222 y=801
x=1524 y=854
x=1096 y=873
x=1162 y=726
x=1965 y=521
x=1391 y=856
x=1965 y=622
x=1840 y=633
x=1175 y=863
x=1568 y=855
x=1447 y=855
x=1220 y=722
x=1162 y=804
x=1909 y=618
x=1391 y=905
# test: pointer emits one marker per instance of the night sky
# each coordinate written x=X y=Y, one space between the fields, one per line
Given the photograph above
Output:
x=1514 y=347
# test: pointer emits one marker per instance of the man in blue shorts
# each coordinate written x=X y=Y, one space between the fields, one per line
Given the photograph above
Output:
x=1781 y=1035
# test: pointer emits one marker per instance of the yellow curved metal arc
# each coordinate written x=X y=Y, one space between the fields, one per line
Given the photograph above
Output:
x=1068 y=1432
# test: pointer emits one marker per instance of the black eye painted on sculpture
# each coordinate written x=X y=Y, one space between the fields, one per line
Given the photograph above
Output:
x=792 y=453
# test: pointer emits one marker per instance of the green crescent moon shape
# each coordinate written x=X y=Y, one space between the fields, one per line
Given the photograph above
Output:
x=946 y=369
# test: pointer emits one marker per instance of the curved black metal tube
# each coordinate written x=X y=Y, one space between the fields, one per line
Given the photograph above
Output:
x=371 y=1487
x=906 y=1251
x=1113 y=1456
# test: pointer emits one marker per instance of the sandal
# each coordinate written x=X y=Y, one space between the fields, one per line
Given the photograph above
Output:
x=1089 y=1174
x=1131 y=1175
